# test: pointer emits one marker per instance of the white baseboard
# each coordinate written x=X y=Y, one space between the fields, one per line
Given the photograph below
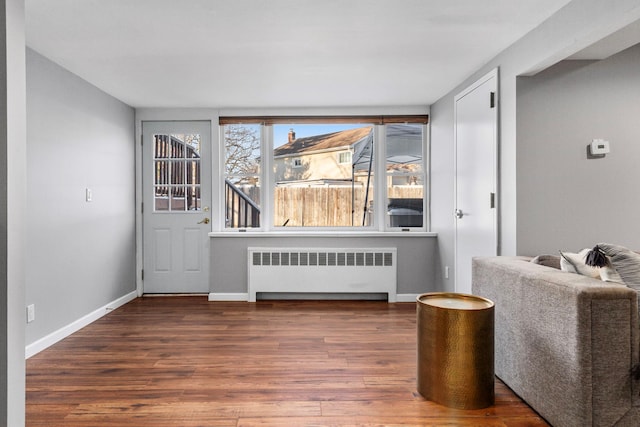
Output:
x=214 y=296
x=36 y=347
x=219 y=296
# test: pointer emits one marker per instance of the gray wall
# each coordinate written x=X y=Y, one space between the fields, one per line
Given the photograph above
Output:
x=81 y=255
x=566 y=201
x=12 y=212
x=562 y=35
x=417 y=257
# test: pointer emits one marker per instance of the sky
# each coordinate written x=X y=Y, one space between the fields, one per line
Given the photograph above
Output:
x=280 y=132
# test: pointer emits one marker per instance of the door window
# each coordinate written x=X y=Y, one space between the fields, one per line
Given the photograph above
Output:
x=176 y=159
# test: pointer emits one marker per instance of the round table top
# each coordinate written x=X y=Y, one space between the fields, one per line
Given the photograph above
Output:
x=455 y=301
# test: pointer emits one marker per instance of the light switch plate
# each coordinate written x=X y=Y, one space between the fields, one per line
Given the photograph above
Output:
x=31 y=313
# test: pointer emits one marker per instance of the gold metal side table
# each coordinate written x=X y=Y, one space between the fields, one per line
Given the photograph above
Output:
x=456 y=350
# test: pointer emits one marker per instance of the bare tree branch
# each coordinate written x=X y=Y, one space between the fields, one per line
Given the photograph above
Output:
x=242 y=149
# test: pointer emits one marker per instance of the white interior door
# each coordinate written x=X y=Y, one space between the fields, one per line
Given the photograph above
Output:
x=475 y=176
x=176 y=182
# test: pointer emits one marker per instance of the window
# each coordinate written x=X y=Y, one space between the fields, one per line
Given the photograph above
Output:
x=344 y=157
x=176 y=160
x=405 y=175
x=242 y=175
x=325 y=190
x=323 y=174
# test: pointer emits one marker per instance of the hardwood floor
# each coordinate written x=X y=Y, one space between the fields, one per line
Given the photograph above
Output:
x=184 y=361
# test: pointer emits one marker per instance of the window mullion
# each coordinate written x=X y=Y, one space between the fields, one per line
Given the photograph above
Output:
x=426 y=177
x=218 y=170
x=268 y=188
x=380 y=209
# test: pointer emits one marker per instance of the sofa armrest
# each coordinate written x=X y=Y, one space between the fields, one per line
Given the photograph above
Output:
x=565 y=343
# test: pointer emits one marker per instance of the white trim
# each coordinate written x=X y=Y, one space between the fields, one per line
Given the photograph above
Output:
x=267 y=177
x=482 y=80
x=45 y=342
x=215 y=296
x=138 y=206
x=337 y=150
x=380 y=188
x=347 y=161
x=300 y=233
x=425 y=174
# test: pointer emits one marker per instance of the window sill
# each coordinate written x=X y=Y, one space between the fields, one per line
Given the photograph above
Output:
x=323 y=234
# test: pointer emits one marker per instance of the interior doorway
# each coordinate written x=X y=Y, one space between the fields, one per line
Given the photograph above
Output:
x=475 y=136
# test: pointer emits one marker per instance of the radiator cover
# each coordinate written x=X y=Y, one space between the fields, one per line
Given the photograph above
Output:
x=322 y=270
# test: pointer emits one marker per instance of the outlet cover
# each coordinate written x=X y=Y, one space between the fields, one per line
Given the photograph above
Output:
x=31 y=313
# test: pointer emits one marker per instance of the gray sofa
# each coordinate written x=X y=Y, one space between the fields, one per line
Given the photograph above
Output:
x=565 y=343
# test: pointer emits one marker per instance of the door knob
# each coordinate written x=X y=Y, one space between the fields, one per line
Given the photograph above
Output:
x=204 y=221
x=459 y=213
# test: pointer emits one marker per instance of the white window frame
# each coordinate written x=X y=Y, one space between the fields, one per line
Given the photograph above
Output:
x=342 y=154
x=267 y=179
x=426 y=193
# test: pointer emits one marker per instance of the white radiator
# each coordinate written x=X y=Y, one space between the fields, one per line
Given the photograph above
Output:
x=322 y=270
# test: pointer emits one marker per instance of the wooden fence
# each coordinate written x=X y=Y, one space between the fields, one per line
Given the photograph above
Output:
x=330 y=206
x=321 y=206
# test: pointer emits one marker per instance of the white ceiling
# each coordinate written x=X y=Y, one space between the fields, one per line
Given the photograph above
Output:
x=278 y=53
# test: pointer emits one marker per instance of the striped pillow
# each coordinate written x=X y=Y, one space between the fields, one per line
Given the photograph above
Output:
x=625 y=261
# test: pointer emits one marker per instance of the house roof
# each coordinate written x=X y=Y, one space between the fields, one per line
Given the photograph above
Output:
x=345 y=138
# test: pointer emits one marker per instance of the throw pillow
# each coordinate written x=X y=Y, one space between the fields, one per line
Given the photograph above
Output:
x=625 y=261
x=547 y=260
x=575 y=263
x=609 y=274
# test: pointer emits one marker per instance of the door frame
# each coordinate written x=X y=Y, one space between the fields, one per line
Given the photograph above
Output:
x=494 y=73
x=172 y=115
